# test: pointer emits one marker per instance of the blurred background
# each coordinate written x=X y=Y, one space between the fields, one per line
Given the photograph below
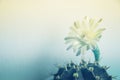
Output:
x=32 y=35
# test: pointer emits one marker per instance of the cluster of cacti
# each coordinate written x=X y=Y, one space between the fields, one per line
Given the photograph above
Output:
x=83 y=71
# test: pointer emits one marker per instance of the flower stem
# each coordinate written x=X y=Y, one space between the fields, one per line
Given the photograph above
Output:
x=96 y=53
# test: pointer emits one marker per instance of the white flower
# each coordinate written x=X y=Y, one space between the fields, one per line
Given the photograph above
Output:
x=84 y=35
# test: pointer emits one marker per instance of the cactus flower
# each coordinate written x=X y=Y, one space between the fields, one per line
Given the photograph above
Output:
x=84 y=35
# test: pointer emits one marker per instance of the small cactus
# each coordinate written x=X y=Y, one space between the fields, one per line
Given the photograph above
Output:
x=89 y=72
x=82 y=37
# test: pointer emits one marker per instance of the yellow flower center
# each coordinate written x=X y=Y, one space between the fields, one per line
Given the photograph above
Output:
x=90 y=35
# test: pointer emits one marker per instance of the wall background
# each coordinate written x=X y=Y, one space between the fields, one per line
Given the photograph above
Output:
x=32 y=35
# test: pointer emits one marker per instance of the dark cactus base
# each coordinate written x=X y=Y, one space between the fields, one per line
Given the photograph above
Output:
x=83 y=71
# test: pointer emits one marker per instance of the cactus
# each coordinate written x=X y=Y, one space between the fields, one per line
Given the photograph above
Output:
x=83 y=71
x=83 y=37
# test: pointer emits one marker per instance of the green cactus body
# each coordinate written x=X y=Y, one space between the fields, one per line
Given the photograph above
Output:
x=89 y=72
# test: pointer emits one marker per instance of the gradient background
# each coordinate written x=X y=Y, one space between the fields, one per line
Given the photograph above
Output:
x=32 y=35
